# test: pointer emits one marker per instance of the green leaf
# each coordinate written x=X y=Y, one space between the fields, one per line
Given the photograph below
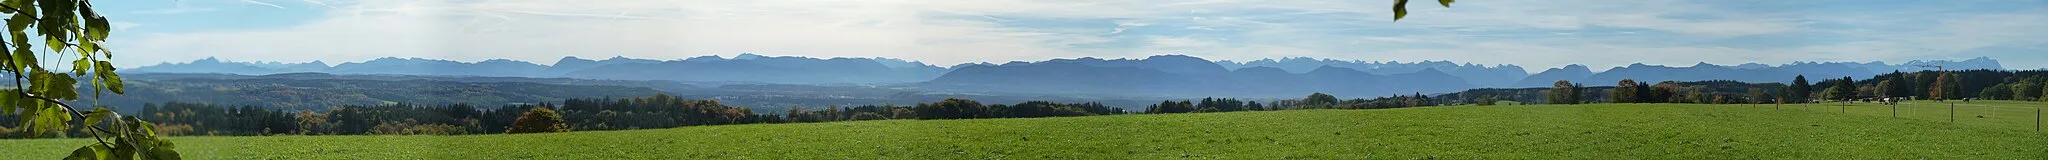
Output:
x=24 y=53
x=1447 y=3
x=92 y=152
x=143 y=128
x=87 y=47
x=54 y=85
x=7 y=98
x=93 y=118
x=111 y=79
x=78 y=67
x=30 y=112
x=20 y=22
x=96 y=26
x=56 y=41
x=24 y=5
x=51 y=119
x=61 y=9
x=162 y=153
x=124 y=148
x=1400 y=9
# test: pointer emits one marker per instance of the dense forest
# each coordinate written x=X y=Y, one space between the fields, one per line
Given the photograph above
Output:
x=1923 y=85
x=319 y=94
x=659 y=111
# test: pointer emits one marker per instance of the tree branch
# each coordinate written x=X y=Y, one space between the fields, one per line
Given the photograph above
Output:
x=18 y=11
x=18 y=77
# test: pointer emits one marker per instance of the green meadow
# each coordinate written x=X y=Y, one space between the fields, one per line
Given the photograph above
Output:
x=1593 y=131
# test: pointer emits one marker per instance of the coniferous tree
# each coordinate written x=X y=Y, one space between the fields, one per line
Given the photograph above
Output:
x=2044 y=95
x=1642 y=93
x=1845 y=89
x=1799 y=91
x=1254 y=105
x=1578 y=93
x=1923 y=83
x=1887 y=88
x=1901 y=86
x=2001 y=91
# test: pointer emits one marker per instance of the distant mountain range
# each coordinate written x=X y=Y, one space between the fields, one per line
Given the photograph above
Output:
x=1164 y=75
x=1750 y=72
x=1185 y=76
x=746 y=68
x=1477 y=75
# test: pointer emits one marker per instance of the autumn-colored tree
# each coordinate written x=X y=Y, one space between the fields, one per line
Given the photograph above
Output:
x=1758 y=96
x=311 y=123
x=1945 y=87
x=1624 y=92
x=538 y=120
x=1564 y=92
x=1721 y=99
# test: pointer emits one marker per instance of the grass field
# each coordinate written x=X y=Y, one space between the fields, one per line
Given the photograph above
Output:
x=1602 y=131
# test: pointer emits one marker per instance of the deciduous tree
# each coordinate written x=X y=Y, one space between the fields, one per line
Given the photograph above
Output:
x=1564 y=92
x=1945 y=87
x=538 y=120
x=70 y=29
x=1624 y=92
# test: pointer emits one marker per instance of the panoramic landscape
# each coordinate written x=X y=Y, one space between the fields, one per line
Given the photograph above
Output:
x=1024 y=79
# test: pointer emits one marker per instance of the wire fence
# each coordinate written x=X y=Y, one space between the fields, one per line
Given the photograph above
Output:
x=2002 y=114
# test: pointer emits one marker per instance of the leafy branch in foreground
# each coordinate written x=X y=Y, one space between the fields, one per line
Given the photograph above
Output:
x=40 y=94
x=1401 y=7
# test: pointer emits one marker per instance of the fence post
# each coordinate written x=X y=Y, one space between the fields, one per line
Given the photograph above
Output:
x=2037 y=120
x=1951 y=113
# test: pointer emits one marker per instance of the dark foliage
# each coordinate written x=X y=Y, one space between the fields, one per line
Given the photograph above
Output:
x=538 y=120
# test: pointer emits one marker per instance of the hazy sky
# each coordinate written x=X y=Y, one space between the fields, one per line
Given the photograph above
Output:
x=1533 y=33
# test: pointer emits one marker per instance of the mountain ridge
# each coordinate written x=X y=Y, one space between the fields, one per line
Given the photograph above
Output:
x=1157 y=73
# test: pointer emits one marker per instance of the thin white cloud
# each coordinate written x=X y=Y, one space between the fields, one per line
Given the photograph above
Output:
x=172 y=10
x=123 y=25
x=262 y=3
x=319 y=3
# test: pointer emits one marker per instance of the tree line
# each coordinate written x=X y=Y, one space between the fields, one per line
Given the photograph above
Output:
x=659 y=111
x=664 y=111
x=2029 y=85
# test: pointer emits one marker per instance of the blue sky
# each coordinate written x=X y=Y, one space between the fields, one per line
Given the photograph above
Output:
x=1534 y=34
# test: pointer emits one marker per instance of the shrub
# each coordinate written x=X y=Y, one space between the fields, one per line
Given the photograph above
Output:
x=538 y=120
x=862 y=116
